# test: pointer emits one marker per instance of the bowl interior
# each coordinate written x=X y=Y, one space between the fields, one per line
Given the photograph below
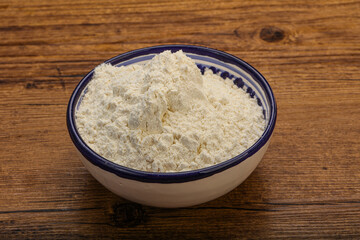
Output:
x=226 y=65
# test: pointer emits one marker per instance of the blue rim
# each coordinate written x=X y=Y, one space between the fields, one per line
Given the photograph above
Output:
x=178 y=177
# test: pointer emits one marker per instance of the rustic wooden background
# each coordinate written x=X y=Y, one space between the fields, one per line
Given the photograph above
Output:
x=308 y=184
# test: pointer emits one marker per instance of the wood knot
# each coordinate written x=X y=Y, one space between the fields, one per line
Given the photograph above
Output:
x=272 y=34
x=127 y=214
x=31 y=85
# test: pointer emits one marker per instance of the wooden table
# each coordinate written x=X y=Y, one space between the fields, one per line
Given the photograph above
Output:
x=308 y=184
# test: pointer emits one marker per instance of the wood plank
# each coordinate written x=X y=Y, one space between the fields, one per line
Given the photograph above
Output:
x=308 y=184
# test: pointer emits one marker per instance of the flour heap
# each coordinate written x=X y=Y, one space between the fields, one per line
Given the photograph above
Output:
x=165 y=116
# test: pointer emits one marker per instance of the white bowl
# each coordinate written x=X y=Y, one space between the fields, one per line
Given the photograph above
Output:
x=188 y=188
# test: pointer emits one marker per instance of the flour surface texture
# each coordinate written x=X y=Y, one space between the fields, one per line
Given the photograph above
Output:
x=165 y=116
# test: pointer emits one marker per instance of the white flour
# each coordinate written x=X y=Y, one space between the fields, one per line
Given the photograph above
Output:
x=166 y=116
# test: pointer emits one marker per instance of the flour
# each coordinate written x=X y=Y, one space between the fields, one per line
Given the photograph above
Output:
x=165 y=116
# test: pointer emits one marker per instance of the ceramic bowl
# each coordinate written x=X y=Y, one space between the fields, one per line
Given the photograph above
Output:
x=180 y=189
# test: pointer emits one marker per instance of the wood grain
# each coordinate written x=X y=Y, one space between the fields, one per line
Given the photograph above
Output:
x=308 y=184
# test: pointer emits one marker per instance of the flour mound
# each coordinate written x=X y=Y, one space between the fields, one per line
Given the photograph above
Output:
x=165 y=116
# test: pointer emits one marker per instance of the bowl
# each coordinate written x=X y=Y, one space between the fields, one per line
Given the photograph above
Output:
x=188 y=188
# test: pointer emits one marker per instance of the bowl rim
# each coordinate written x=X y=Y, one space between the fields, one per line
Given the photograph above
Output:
x=170 y=177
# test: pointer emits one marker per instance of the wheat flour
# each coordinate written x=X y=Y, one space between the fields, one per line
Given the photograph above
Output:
x=165 y=116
